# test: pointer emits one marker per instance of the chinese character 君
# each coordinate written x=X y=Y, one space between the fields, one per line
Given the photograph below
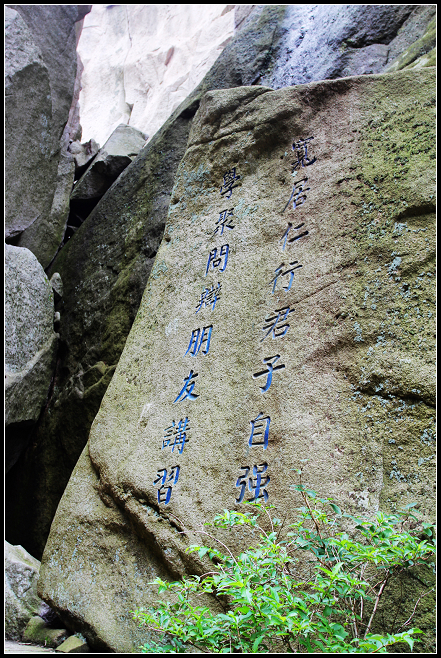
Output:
x=296 y=237
x=298 y=195
x=300 y=149
x=259 y=436
x=214 y=260
x=256 y=485
x=164 y=493
x=199 y=340
x=270 y=361
x=274 y=323
x=228 y=185
x=278 y=272
x=187 y=389
x=176 y=436
x=223 y=221
x=209 y=296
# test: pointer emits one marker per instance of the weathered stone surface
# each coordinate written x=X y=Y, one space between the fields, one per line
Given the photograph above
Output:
x=83 y=155
x=30 y=346
x=421 y=52
x=57 y=285
x=21 y=599
x=73 y=644
x=352 y=393
x=38 y=632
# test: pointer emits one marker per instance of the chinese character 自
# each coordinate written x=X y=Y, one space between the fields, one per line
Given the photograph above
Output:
x=278 y=272
x=300 y=149
x=199 y=340
x=176 y=436
x=214 y=260
x=297 y=237
x=256 y=485
x=270 y=361
x=164 y=493
x=187 y=389
x=228 y=185
x=256 y=431
x=223 y=221
x=274 y=325
x=298 y=195
x=209 y=296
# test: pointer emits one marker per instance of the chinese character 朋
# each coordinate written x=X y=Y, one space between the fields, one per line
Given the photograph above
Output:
x=223 y=221
x=199 y=340
x=214 y=260
x=187 y=389
x=256 y=431
x=296 y=237
x=164 y=493
x=274 y=325
x=177 y=435
x=256 y=485
x=209 y=296
x=228 y=185
x=298 y=195
x=300 y=149
x=270 y=361
x=278 y=272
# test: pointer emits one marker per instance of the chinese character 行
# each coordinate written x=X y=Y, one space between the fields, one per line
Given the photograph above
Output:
x=176 y=436
x=223 y=221
x=256 y=485
x=214 y=260
x=164 y=493
x=198 y=340
x=228 y=185
x=256 y=431
x=298 y=195
x=300 y=149
x=274 y=327
x=187 y=389
x=209 y=296
x=270 y=361
x=278 y=272
x=297 y=237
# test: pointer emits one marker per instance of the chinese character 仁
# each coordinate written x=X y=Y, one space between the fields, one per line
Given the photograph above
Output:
x=296 y=237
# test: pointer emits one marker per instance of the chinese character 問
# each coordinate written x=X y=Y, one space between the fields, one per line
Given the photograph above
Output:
x=187 y=389
x=199 y=340
x=223 y=221
x=256 y=431
x=274 y=325
x=298 y=195
x=256 y=485
x=296 y=237
x=300 y=149
x=209 y=296
x=176 y=436
x=270 y=361
x=214 y=260
x=278 y=272
x=228 y=185
x=164 y=493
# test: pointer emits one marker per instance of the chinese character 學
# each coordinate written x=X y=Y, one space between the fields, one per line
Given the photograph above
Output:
x=300 y=149
x=209 y=296
x=270 y=361
x=296 y=237
x=256 y=485
x=223 y=221
x=199 y=340
x=278 y=272
x=298 y=195
x=164 y=493
x=187 y=389
x=176 y=436
x=214 y=260
x=274 y=326
x=256 y=431
x=228 y=185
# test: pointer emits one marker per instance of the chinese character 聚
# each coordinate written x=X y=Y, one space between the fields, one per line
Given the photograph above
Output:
x=298 y=195
x=256 y=431
x=270 y=361
x=297 y=237
x=209 y=296
x=300 y=149
x=176 y=436
x=187 y=389
x=164 y=493
x=228 y=185
x=274 y=327
x=199 y=340
x=278 y=272
x=214 y=260
x=256 y=485
x=223 y=221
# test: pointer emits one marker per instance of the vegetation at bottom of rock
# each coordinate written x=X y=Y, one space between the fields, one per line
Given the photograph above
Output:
x=325 y=602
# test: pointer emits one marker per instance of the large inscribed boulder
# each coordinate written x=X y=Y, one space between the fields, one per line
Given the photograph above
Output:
x=288 y=321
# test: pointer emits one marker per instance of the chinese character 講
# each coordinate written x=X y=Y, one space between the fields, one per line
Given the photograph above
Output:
x=209 y=296
x=187 y=389
x=298 y=195
x=199 y=340
x=256 y=431
x=228 y=185
x=223 y=221
x=256 y=485
x=300 y=149
x=164 y=493
x=270 y=361
x=176 y=436
x=214 y=260
x=274 y=325
x=278 y=272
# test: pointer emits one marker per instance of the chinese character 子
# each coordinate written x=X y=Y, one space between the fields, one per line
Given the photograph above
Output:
x=259 y=431
x=270 y=361
x=298 y=195
x=257 y=485
x=300 y=149
x=228 y=185
x=278 y=272
x=275 y=324
x=187 y=389
x=296 y=237
x=209 y=296
x=164 y=493
x=214 y=260
x=223 y=221
x=176 y=436
x=199 y=340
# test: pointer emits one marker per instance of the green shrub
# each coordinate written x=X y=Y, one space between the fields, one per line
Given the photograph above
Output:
x=273 y=601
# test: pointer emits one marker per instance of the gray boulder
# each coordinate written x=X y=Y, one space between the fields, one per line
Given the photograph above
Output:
x=21 y=599
x=83 y=154
x=30 y=346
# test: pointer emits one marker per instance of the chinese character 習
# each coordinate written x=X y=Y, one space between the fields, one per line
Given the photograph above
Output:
x=215 y=261
x=270 y=361
x=278 y=272
x=198 y=340
x=176 y=436
x=209 y=296
x=228 y=184
x=300 y=148
x=187 y=389
x=274 y=327
x=223 y=221
x=298 y=196
x=164 y=493
x=256 y=431
x=256 y=485
x=297 y=237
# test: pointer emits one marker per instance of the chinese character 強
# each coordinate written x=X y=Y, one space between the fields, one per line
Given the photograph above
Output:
x=256 y=485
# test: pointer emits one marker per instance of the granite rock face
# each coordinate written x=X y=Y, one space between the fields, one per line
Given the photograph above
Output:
x=288 y=320
x=30 y=346
x=21 y=599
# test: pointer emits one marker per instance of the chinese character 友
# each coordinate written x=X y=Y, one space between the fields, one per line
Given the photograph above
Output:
x=187 y=389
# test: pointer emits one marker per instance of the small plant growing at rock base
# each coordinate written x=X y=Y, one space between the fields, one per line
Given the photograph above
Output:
x=324 y=603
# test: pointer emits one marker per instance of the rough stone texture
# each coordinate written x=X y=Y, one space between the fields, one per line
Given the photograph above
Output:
x=83 y=155
x=420 y=53
x=30 y=346
x=356 y=396
x=21 y=599
x=37 y=632
x=73 y=644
